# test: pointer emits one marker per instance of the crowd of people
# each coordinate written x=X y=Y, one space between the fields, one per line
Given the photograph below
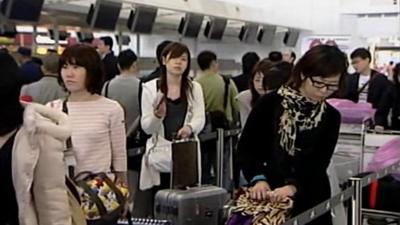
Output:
x=91 y=98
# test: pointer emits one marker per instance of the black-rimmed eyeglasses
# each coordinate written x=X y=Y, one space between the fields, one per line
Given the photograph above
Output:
x=319 y=84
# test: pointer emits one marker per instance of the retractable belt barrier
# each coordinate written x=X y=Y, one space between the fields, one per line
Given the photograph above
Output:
x=321 y=208
x=358 y=182
x=214 y=135
x=354 y=192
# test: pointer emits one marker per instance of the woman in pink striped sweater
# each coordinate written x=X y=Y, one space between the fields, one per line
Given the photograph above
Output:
x=98 y=130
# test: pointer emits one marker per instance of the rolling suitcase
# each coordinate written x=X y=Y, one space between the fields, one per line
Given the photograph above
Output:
x=199 y=205
x=194 y=206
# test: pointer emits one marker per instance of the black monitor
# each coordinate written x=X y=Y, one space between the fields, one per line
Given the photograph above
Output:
x=142 y=19
x=8 y=30
x=215 y=28
x=62 y=34
x=125 y=39
x=266 y=34
x=104 y=14
x=190 y=25
x=291 y=37
x=24 y=10
x=85 y=36
x=248 y=33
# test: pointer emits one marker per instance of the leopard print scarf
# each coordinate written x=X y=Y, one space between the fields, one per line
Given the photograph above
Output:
x=263 y=212
x=299 y=114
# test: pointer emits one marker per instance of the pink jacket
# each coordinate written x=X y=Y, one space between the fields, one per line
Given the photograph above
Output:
x=38 y=167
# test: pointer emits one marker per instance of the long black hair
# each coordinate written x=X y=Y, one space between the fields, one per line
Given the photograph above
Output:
x=172 y=51
x=11 y=113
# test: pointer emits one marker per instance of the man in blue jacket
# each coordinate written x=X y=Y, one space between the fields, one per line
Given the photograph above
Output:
x=29 y=70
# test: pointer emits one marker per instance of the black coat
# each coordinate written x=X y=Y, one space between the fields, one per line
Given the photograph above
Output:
x=110 y=63
x=153 y=75
x=378 y=85
x=260 y=154
x=391 y=101
x=242 y=82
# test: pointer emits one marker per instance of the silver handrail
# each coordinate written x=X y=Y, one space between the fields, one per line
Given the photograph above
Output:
x=354 y=192
x=321 y=208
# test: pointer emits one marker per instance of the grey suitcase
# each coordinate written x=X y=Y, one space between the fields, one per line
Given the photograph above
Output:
x=195 y=206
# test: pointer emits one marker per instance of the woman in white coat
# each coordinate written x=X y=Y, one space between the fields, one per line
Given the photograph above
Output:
x=172 y=108
x=31 y=157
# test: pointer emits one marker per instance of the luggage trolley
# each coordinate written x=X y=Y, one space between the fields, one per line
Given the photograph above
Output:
x=371 y=141
x=347 y=159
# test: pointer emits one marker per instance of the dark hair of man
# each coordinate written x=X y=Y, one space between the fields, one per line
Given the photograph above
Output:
x=361 y=53
x=249 y=60
x=126 y=58
x=205 y=58
x=278 y=75
x=275 y=56
x=108 y=41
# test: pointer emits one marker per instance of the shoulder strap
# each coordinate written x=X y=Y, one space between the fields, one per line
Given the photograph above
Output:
x=106 y=88
x=363 y=87
x=68 y=154
x=140 y=96
x=226 y=90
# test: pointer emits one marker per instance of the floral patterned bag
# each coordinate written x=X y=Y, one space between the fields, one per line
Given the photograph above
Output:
x=102 y=201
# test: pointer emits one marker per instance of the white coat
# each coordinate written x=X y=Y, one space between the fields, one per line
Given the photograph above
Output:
x=38 y=168
x=195 y=118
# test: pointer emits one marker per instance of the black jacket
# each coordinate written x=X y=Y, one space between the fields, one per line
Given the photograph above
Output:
x=242 y=82
x=260 y=154
x=378 y=85
x=110 y=63
x=153 y=75
x=391 y=101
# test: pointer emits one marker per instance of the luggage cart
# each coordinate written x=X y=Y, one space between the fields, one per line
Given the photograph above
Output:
x=371 y=141
x=347 y=158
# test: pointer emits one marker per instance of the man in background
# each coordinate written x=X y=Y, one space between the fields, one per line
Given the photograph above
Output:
x=46 y=89
x=221 y=108
x=104 y=47
x=29 y=70
x=366 y=84
x=289 y=56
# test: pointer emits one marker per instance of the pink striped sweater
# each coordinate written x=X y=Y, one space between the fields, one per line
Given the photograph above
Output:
x=98 y=134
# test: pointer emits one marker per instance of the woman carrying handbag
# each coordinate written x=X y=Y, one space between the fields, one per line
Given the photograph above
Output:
x=172 y=107
x=98 y=139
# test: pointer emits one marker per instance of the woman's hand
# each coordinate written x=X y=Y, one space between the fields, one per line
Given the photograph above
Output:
x=260 y=191
x=161 y=110
x=121 y=178
x=184 y=132
x=279 y=194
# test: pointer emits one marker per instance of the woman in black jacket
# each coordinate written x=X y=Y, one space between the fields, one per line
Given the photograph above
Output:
x=290 y=135
x=390 y=103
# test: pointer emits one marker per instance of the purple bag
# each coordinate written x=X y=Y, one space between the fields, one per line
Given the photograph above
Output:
x=239 y=219
x=386 y=155
x=354 y=113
